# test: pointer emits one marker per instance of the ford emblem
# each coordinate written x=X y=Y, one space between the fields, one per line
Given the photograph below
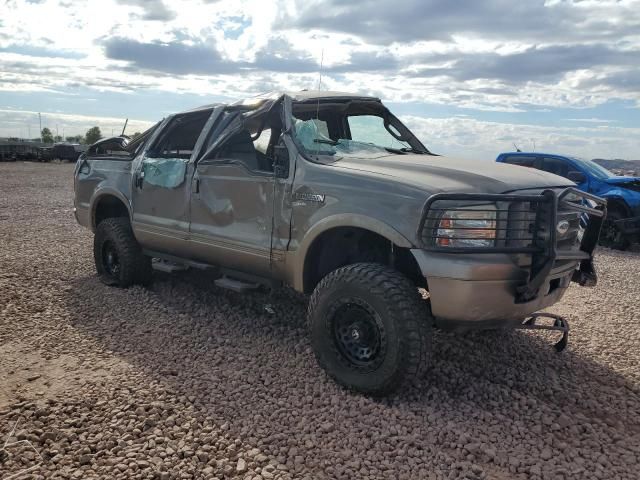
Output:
x=562 y=227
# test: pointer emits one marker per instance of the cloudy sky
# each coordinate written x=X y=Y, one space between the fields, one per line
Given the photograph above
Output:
x=471 y=78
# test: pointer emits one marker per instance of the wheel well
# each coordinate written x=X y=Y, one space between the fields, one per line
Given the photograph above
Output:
x=618 y=204
x=342 y=246
x=109 y=207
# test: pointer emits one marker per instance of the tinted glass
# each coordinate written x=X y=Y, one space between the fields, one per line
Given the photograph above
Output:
x=521 y=160
x=556 y=166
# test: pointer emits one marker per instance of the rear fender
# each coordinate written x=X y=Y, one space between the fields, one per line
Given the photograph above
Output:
x=99 y=194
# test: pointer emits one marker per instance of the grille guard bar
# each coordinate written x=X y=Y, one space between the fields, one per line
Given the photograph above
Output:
x=544 y=250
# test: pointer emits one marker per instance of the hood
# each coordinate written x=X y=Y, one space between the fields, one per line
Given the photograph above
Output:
x=443 y=174
x=619 y=180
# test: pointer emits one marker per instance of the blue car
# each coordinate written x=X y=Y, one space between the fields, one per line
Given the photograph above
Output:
x=622 y=226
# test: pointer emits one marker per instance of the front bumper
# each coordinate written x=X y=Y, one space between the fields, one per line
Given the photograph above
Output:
x=507 y=281
x=483 y=290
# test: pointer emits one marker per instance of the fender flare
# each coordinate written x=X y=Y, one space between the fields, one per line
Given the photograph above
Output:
x=342 y=220
x=101 y=192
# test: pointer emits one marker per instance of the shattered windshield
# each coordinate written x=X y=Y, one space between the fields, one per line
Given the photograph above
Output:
x=331 y=131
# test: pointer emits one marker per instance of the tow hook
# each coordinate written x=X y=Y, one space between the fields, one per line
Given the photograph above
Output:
x=560 y=324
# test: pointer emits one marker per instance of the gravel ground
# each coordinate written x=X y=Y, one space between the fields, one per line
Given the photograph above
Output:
x=184 y=380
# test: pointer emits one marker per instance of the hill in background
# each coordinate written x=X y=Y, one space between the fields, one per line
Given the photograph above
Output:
x=619 y=166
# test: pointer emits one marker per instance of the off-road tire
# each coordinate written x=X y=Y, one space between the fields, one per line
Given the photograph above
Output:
x=404 y=317
x=133 y=266
x=610 y=236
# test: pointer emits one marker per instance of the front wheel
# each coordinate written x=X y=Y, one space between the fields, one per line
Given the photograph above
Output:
x=370 y=330
x=611 y=236
x=118 y=256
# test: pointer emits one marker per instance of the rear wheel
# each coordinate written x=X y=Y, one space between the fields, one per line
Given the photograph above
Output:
x=118 y=256
x=370 y=330
x=611 y=236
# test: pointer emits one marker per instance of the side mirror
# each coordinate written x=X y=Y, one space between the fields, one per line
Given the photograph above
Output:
x=576 y=176
x=281 y=161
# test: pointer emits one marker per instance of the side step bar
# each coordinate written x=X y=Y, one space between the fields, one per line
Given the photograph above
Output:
x=230 y=279
x=236 y=285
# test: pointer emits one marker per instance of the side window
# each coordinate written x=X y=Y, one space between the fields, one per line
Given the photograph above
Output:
x=136 y=144
x=240 y=147
x=166 y=161
x=180 y=137
x=263 y=142
x=253 y=146
x=555 y=166
x=521 y=161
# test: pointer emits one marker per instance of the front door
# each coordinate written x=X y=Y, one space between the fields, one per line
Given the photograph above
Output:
x=162 y=185
x=232 y=203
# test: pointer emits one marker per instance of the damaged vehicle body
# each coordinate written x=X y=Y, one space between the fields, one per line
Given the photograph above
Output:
x=331 y=194
x=621 y=228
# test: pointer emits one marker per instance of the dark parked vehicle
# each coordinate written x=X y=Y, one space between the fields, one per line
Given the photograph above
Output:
x=67 y=151
x=622 y=225
x=45 y=154
x=330 y=193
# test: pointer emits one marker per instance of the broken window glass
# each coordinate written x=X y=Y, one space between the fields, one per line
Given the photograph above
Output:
x=164 y=172
x=166 y=162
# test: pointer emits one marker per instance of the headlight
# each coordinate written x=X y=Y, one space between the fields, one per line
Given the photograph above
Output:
x=473 y=226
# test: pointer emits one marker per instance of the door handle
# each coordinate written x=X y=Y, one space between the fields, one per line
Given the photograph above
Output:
x=197 y=185
x=139 y=179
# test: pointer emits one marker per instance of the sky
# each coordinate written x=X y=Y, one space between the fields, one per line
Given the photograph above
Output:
x=470 y=78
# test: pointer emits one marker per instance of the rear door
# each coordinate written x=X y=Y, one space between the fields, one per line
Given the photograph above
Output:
x=162 y=184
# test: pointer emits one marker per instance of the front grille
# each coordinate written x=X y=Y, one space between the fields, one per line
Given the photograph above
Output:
x=523 y=229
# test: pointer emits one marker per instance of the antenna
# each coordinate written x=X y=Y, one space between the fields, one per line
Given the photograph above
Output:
x=318 y=94
x=516 y=147
x=125 y=127
x=320 y=72
x=319 y=83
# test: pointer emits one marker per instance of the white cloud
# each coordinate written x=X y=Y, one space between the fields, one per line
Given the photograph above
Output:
x=492 y=56
x=481 y=140
x=22 y=123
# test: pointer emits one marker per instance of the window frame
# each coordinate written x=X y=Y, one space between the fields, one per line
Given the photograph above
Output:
x=153 y=152
x=233 y=123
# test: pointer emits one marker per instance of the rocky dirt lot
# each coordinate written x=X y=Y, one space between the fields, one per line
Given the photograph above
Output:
x=184 y=380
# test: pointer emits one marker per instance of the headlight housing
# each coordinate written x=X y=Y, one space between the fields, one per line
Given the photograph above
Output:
x=472 y=226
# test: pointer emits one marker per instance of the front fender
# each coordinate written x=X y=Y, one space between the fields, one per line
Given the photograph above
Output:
x=342 y=220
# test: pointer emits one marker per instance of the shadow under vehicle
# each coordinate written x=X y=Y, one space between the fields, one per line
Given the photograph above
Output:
x=332 y=194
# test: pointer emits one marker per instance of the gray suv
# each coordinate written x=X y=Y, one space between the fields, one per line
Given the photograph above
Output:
x=330 y=193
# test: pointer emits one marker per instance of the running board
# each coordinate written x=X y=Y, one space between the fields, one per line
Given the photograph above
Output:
x=167 y=266
x=235 y=285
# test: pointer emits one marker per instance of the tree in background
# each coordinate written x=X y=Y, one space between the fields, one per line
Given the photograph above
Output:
x=47 y=136
x=57 y=138
x=135 y=135
x=93 y=135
